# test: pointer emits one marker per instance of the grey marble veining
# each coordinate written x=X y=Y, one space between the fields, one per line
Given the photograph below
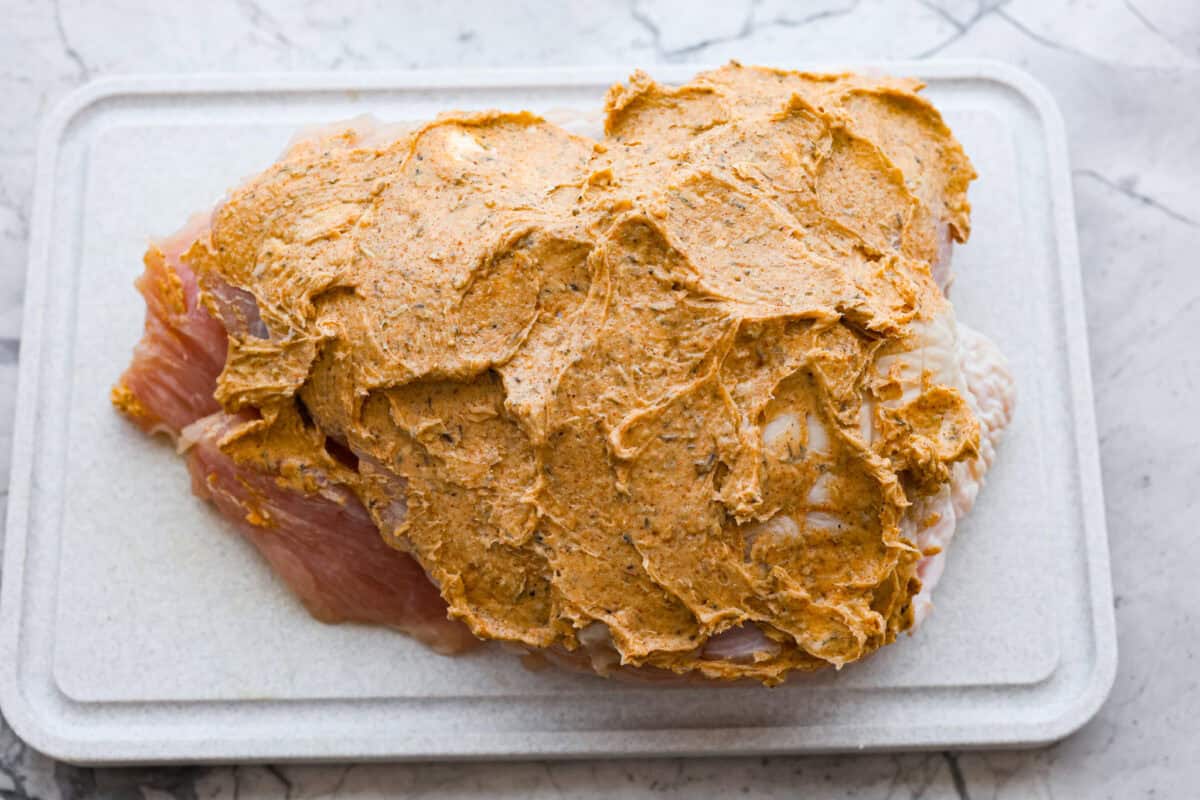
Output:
x=1127 y=75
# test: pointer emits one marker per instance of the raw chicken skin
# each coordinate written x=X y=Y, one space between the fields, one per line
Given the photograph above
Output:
x=992 y=394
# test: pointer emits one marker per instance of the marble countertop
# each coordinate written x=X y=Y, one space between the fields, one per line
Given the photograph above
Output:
x=1127 y=75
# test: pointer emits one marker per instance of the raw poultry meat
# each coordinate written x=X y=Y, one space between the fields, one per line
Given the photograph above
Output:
x=319 y=496
x=322 y=544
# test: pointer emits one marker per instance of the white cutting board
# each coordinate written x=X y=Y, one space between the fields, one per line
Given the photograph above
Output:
x=136 y=626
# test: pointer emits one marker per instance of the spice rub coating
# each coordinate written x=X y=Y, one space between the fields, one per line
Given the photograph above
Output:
x=661 y=382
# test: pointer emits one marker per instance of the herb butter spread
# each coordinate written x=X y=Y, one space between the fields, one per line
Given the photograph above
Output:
x=665 y=385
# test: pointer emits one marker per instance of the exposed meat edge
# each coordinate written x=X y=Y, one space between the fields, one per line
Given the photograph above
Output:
x=324 y=546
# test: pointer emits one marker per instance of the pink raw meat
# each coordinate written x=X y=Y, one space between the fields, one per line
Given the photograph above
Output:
x=323 y=545
x=182 y=351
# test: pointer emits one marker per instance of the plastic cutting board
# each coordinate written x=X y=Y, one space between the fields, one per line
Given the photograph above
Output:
x=137 y=627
